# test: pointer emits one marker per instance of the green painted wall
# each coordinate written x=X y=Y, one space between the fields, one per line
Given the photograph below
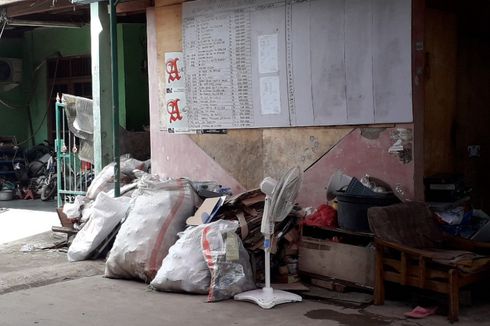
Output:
x=13 y=122
x=40 y=45
x=133 y=76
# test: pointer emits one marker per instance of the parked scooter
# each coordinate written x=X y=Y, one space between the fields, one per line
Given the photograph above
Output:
x=48 y=182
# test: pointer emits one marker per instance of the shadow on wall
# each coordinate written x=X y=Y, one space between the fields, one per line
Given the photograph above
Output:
x=135 y=142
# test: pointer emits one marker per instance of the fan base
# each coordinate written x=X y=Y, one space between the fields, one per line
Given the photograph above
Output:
x=267 y=298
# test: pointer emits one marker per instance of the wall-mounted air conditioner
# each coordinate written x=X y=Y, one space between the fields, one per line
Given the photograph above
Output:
x=10 y=70
x=10 y=73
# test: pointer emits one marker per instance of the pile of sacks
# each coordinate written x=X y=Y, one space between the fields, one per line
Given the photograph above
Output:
x=152 y=243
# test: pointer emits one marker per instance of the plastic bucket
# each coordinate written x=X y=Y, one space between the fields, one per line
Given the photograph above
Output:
x=6 y=195
x=352 y=209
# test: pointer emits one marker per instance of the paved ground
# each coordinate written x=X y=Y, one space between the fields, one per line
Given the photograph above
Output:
x=40 y=287
x=26 y=263
x=34 y=205
x=24 y=218
x=98 y=301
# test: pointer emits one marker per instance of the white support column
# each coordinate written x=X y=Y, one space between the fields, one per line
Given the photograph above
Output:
x=101 y=84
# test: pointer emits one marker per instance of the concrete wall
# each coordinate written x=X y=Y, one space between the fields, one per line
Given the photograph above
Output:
x=241 y=158
x=13 y=122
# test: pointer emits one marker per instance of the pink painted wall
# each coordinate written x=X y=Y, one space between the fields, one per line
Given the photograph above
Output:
x=176 y=156
x=356 y=156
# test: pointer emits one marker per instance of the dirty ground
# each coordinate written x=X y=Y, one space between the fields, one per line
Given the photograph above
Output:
x=38 y=286
x=99 y=301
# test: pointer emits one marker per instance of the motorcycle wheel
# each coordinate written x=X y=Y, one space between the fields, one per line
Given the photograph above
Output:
x=47 y=191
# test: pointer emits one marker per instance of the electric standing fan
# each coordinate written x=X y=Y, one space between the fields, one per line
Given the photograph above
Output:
x=279 y=201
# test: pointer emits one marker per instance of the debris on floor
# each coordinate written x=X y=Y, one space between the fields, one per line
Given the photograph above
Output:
x=180 y=235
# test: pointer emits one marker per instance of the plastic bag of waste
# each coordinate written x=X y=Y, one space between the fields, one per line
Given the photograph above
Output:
x=227 y=260
x=106 y=214
x=184 y=269
x=157 y=213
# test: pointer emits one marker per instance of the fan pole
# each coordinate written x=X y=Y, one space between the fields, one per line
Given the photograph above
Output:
x=279 y=201
x=267 y=253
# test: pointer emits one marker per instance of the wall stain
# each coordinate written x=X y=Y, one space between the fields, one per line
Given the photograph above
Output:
x=371 y=133
x=365 y=319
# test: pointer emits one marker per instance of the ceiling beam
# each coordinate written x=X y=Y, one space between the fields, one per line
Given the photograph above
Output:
x=133 y=6
x=36 y=7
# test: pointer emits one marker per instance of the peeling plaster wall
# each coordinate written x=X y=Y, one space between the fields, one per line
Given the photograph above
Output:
x=241 y=158
x=356 y=155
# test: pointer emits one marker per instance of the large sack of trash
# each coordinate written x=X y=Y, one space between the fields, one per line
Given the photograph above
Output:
x=157 y=213
x=104 y=181
x=184 y=268
x=106 y=214
x=228 y=261
x=209 y=258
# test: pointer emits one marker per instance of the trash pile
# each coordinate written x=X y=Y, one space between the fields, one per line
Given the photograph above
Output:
x=247 y=209
x=179 y=236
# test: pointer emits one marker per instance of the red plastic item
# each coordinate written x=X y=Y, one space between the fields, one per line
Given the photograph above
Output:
x=325 y=216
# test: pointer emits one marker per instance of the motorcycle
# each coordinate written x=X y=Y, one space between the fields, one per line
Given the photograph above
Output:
x=44 y=178
x=48 y=182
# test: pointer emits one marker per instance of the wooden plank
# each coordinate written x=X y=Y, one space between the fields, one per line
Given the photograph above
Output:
x=392 y=60
x=453 y=295
x=64 y=229
x=37 y=7
x=403 y=271
x=64 y=220
x=422 y=271
x=414 y=270
x=441 y=287
x=418 y=95
x=441 y=38
x=297 y=286
x=163 y=3
x=327 y=62
x=329 y=285
x=335 y=282
x=337 y=260
x=132 y=7
x=379 y=285
x=358 y=61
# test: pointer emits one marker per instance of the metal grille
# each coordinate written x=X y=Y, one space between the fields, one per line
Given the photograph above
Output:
x=73 y=174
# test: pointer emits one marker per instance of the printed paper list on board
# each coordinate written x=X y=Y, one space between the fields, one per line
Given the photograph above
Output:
x=175 y=113
x=270 y=95
x=326 y=62
x=268 y=54
x=218 y=57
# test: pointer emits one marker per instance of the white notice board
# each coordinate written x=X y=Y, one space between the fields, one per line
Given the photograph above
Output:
x=279 y=63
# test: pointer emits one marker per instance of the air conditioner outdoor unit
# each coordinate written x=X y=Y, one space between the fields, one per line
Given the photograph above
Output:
x=10 y=71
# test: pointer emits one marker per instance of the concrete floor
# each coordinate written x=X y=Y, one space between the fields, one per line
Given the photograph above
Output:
x=26 y=263
x=40 y=287
x=34 y=205
x=98 y=301
x=24 y=218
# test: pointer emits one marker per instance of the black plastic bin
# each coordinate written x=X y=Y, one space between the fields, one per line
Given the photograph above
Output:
x=352 y=209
